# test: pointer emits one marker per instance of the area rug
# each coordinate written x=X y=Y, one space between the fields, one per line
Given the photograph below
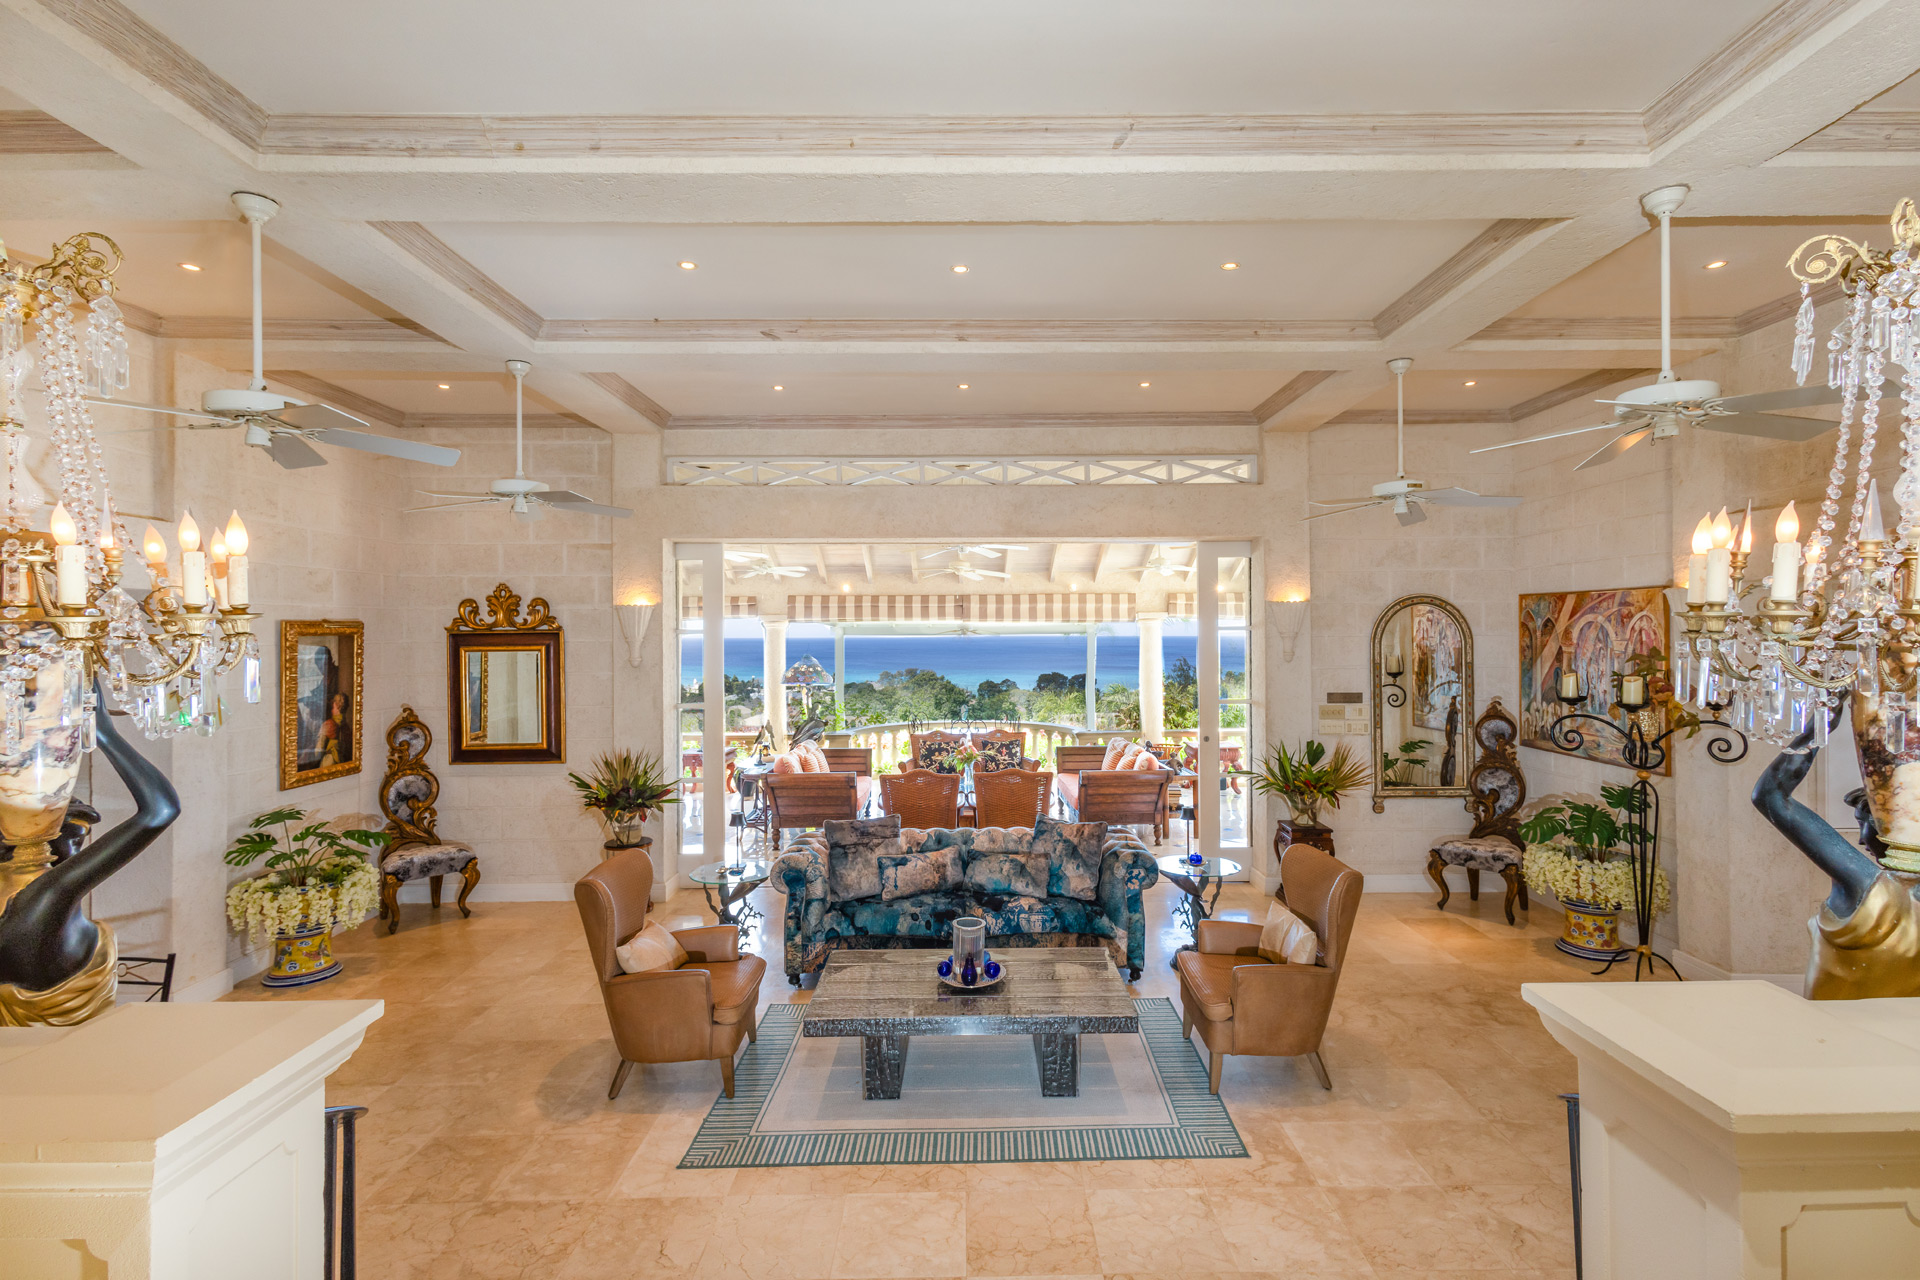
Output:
x=965 y=1100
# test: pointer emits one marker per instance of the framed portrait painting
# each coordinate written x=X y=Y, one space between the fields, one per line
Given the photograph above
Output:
x=1599 y=634
x=319 y=701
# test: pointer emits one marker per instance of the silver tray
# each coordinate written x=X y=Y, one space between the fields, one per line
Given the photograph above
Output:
x=954 y=983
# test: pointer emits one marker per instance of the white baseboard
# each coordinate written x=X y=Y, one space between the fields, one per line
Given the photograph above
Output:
x=216 y=985
x=1694 y=969
x=512 y=891
x=1399 y=884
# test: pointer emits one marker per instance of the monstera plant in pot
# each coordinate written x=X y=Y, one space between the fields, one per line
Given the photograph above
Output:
x=318 y=880
x=1308 y=780
x=625 y=788
x=1576 y=850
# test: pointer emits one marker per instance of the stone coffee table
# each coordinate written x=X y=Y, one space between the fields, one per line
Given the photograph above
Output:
x=1056 y=994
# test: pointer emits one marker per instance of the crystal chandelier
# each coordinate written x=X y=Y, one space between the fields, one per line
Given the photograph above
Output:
x=65 y=620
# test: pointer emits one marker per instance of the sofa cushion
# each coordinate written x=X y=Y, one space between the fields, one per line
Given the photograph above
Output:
x=999 y=839
x=931 y=916
x=904 y=875
x=1073 y=851
x=1022 y=914
x=1004 y=874
x=854 y=847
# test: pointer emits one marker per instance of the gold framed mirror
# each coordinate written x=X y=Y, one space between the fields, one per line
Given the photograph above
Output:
x=1422 y=664
x=506 y=683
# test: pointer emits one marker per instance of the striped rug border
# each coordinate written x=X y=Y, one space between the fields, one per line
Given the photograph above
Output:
x=1202 y=1129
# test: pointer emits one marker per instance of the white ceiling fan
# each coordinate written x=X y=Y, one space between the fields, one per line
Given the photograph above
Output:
x=1158 y=563
x=286 y=428
x=525 y=497
x=967 y=571
x=1655 y=411
x=985 y=550
x=1408 y=498
x=755 y=564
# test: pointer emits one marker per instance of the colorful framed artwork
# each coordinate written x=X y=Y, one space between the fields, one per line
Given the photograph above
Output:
x=1597 y=633
x=319 y=701
x=1437 y=665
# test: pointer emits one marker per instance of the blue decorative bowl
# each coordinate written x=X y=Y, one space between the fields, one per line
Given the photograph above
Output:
x=1196 y=859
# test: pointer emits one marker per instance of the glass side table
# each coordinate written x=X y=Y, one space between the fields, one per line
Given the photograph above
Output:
x=727 y=885
x=1192 y=879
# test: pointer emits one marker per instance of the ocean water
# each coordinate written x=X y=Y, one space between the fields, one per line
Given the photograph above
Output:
x=968 y=660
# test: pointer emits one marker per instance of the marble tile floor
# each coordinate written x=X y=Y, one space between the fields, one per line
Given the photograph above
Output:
x=491 y=1151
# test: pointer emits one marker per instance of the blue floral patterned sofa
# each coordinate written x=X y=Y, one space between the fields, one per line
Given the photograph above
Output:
x=817 y=924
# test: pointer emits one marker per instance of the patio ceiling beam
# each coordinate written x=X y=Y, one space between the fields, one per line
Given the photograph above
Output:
x=866 y=558
x=1053 y=564
x=1100 y=561
x=820 y=559
x=913 y=563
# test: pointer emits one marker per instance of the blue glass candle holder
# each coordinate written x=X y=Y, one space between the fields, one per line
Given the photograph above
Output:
x=1196 y=860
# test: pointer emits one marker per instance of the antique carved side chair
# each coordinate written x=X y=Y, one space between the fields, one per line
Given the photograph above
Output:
x=416 y=852
x=1499 y=789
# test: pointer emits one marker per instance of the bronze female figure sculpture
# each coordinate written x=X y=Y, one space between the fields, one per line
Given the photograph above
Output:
x=1866 y=937
x=56 y=965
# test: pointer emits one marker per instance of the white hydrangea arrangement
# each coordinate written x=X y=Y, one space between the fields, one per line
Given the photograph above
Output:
x=318 y=876
x=1573 y=852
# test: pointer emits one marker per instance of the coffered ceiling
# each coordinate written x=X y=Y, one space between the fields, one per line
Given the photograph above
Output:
x=1457 y=183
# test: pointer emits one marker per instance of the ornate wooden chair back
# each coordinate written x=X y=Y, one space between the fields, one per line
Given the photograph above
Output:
x=408 y=792
x=995 y=754
x=933 y=747
x=1010 y=797
x=1499 y=787
x=922 y=797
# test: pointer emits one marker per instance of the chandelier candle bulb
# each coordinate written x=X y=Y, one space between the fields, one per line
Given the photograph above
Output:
x=69 y=559
x=238 y=592
x=1786 y=556
x=193 y=564
x=1697 y=562
x=154 y=548
x=1720 y=560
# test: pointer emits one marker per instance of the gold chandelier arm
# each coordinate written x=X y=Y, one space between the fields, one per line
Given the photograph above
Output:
x=1806 y=677
x=1836 y=257
x=152 y=678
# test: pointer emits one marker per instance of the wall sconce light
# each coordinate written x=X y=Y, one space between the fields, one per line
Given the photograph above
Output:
x=633 y=625
x=1289 y=616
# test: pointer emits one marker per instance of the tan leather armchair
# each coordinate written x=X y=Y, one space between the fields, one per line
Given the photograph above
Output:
x=1243 y=1003
x=700 y=1010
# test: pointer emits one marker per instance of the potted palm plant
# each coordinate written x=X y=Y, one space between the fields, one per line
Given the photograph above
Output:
x=1574 y=852
x=625 y=788
x=318 y=880
x=1306 y=779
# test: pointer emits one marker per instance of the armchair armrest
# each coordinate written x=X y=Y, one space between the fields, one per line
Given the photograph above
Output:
x=801 y=869
x=1129 y=862
x=665 y=1015
x=710 y=942
x=1228 y=937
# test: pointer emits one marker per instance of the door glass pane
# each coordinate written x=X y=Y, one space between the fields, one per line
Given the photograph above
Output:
x=1236 y=705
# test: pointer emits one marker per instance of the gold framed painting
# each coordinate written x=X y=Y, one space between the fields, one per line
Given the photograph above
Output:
x=1599 y=635
x=319 y=701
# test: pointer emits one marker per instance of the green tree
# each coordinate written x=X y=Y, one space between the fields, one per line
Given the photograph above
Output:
x=994 y=700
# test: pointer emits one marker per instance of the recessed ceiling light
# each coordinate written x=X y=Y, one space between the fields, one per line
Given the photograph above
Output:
x=688 y=266
x=1716 y=264
x=1146 y=384
x=846 y=586
x=959 y=268
x=189 y=266
x=446 y=386
x=1229 y=266
x=1469 y=383
x=963 y=386
x=778 y=387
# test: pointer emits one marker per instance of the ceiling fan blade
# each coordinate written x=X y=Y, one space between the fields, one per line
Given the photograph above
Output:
x=1616 y=446
x=943 y=551
x=161 y=408
x=1339 y=511
x=1551 y=435
x=293 y=453
x=1772 y=426
x=447 y=493
x=1414 y=514
x=1796 y=398
x=1467 y=498
x=991 y=573
x=568 y=500
x=367 y=442
x=452 y=506
x=1342 y=502
x=313 y=417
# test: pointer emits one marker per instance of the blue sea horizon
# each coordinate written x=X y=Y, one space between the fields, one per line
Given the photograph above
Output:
x=967 y=660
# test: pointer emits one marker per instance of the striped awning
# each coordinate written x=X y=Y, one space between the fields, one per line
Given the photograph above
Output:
x=693 y=608
x=1078 y=606
x=1186 y=604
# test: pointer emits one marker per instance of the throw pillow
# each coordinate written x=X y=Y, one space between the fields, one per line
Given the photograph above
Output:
x=651 y=948
x=931 y=871
x=786 y=762
x=1287 y=939
x=936 y=755
x=1133 y=752
x=1073 y=851
x=1115 y=749
x=812 y=759
x=854 y=846
x=995 y=756
x=1146 y=762
x=1009 y=874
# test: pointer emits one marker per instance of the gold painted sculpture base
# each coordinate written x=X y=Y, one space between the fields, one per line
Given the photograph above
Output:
x=1873 y=953
x=85 y=995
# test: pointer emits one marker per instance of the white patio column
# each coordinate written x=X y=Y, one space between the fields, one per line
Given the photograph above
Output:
x=840 y=665
x=1093 y=653
x=773 y=671
x=1153 y=718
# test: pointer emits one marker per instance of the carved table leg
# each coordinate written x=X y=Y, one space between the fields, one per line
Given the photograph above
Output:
x=1437 y=870
x=1058 y=1053
x=884 y=1063
x=469 y=877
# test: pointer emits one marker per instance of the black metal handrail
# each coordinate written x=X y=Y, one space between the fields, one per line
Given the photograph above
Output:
x=138 y=971
x=337 y=1191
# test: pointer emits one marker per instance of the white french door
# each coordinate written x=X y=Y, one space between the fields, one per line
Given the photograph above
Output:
x=697 y=716
x=1226 y=608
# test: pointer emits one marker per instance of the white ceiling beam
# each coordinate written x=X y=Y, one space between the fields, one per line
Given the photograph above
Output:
x=866 y=558
x=913 y=563
x=1053 y=563
x=820 y=559
x=1100 y=561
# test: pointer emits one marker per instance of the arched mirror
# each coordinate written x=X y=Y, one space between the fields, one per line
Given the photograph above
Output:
x=1422 y=700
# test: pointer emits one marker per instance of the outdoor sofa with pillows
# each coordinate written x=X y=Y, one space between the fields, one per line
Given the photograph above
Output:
x=869 y=884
